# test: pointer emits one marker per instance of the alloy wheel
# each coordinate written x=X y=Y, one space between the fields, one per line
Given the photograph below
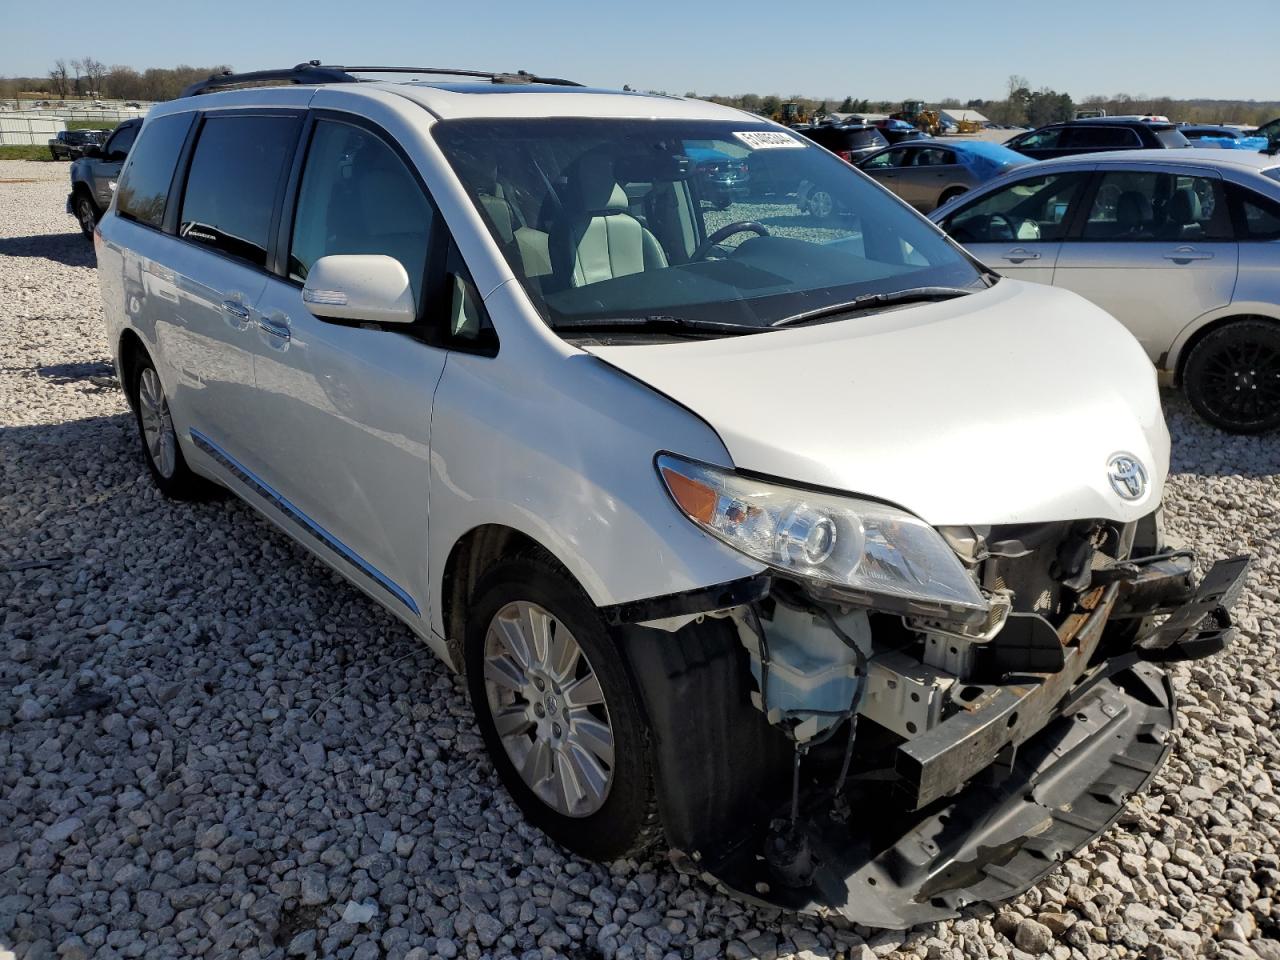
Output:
x=548 y=708
x=84 y=213
x=157 y=423
x=1242 y=380
x=821 y=204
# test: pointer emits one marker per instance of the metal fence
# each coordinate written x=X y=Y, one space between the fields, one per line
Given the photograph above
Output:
x=23 y=128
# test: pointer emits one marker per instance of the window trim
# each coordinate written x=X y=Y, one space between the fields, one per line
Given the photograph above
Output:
x=438 y=271
x=1076 y=232
x=1073 y=208
x=178 y=190
x=1237 y=194
x=178 y=165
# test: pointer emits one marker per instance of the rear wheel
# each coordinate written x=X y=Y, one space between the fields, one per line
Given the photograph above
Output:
x=160 y=447
x=821 y=204
x=1232 y=376
x=558 y=712
x=950 y=195
x=86 y=212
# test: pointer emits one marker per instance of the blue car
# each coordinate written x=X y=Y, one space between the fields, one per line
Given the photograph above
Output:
x=928 y=173
x=1223 y=138
x=721 y=178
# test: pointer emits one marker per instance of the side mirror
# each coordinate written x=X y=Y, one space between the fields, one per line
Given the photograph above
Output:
x=369 y=288
x=93 y=150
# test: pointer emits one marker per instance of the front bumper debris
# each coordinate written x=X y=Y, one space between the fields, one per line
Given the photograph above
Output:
x=972 y=802
x=1004 y=831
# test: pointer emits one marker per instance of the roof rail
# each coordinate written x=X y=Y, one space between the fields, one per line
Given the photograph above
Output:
x=314 y=71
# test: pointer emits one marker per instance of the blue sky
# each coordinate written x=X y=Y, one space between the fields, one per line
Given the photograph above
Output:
x=825 y=48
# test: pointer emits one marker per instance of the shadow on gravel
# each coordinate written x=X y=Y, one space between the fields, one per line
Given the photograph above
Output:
x=97 y=375
x=69 y=249
x=1206 y=451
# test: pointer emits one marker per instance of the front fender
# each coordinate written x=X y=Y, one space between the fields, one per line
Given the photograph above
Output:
x=558 y=445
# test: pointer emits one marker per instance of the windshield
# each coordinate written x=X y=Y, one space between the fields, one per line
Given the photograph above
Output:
x=735 y=222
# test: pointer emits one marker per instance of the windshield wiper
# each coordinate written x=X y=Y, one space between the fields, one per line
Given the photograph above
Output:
x=655 y=323
x=870 y=300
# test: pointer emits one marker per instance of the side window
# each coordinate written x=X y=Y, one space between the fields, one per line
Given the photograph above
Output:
x=1259 y=216
x=121 y=141
x=1148 y=205
x=1041 y=139
x=237 y=168
x=1102 y=137
x=881 y=161
x=357 y=196
x=144 y=184
x=934 y=157
x=1033 y=209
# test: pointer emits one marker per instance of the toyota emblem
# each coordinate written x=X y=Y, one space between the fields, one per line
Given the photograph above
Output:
x=1127 y=475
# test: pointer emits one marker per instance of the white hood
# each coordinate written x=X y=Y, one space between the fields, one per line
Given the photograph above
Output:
x=1000 y=407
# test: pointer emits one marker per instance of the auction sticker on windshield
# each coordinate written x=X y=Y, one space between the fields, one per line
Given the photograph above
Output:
x=768 y=139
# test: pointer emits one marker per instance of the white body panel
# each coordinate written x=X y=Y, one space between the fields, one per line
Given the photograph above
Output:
x=1000 y=407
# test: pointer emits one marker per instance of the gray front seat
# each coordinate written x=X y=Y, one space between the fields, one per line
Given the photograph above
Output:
x=597 y=238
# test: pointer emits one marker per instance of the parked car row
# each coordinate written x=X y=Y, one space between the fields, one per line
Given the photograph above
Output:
x=94 y=174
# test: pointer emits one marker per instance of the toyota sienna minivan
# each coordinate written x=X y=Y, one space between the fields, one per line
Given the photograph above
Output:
x=748 y=529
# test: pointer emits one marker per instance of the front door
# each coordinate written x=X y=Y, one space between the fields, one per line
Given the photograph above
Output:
x=236 y=173
x=346 y=407
x=1017 y=229
x=930 y=170
x=105 y=171
x=1156 y=251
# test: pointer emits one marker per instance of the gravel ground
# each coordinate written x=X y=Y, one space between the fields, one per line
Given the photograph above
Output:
x=211 y=746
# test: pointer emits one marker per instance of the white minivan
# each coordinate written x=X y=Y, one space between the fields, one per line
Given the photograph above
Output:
x=806 y=544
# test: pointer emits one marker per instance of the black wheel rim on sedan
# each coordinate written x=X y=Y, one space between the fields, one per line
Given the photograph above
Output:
x=1241 y=382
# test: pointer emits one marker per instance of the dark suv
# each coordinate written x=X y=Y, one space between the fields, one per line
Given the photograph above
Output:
x=848 y=141
x=69 y=144
x=93 y=176
x=1097 y=136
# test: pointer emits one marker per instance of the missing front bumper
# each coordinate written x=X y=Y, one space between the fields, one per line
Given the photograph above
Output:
x=1004 y=831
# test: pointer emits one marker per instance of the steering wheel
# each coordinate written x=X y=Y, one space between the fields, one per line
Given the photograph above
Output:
x=724 y=233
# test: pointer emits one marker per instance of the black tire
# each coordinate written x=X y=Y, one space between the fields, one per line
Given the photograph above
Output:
x=1232 y=376
x=627 y=823
x=86 y=212
x=178 y=482
x=950 y=195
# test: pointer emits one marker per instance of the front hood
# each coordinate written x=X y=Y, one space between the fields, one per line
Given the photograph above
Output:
x=1001 y=407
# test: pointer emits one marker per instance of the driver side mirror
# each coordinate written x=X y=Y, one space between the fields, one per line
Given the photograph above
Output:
x=94 y=151
x=364 y=288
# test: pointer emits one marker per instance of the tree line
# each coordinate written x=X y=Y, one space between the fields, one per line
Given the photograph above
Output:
x=1024 y=106
x=89 y=78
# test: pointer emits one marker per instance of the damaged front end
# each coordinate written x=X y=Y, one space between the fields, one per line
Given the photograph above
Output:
x=834 y=751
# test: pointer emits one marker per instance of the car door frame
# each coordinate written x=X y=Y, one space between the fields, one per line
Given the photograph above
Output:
x=1073 y=216
x=1075 y=235
x=404 y=592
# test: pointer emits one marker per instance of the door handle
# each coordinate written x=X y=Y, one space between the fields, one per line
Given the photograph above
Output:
x=1187 y=254
x=1019 y=254
x=275 y=327
x=237 y=313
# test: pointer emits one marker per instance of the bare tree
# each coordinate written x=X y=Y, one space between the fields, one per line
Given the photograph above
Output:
x=59 y=77
x=94 y=71
x=78 y=67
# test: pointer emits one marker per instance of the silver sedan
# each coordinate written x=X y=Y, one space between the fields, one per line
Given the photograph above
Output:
x=1181 y=246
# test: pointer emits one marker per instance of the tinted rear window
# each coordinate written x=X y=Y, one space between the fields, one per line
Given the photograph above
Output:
x=236 y=171
x=1102 y=137
x=144 y=184
x=1170 y=137
x=837 y=139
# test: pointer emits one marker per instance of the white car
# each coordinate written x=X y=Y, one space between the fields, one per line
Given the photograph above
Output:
x=748 y=529
x=1181 y=246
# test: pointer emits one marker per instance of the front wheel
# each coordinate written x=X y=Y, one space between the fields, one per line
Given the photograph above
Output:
x=558 y=712
x=1232 y=377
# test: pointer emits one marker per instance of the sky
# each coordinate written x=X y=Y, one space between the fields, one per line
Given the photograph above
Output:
x=924 y=49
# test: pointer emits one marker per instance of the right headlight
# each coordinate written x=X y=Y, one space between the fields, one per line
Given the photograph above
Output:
x=862 y=548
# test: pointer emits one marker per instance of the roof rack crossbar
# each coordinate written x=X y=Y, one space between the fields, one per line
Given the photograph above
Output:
x=315 y=72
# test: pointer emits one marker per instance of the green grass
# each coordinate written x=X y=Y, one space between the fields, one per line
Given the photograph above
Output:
x=35 y=151
x=91 y=125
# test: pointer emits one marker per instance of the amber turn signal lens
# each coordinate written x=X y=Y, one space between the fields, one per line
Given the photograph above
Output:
x=696 y=499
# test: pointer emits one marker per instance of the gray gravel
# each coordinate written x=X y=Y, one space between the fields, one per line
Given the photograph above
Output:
x=210 y=746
